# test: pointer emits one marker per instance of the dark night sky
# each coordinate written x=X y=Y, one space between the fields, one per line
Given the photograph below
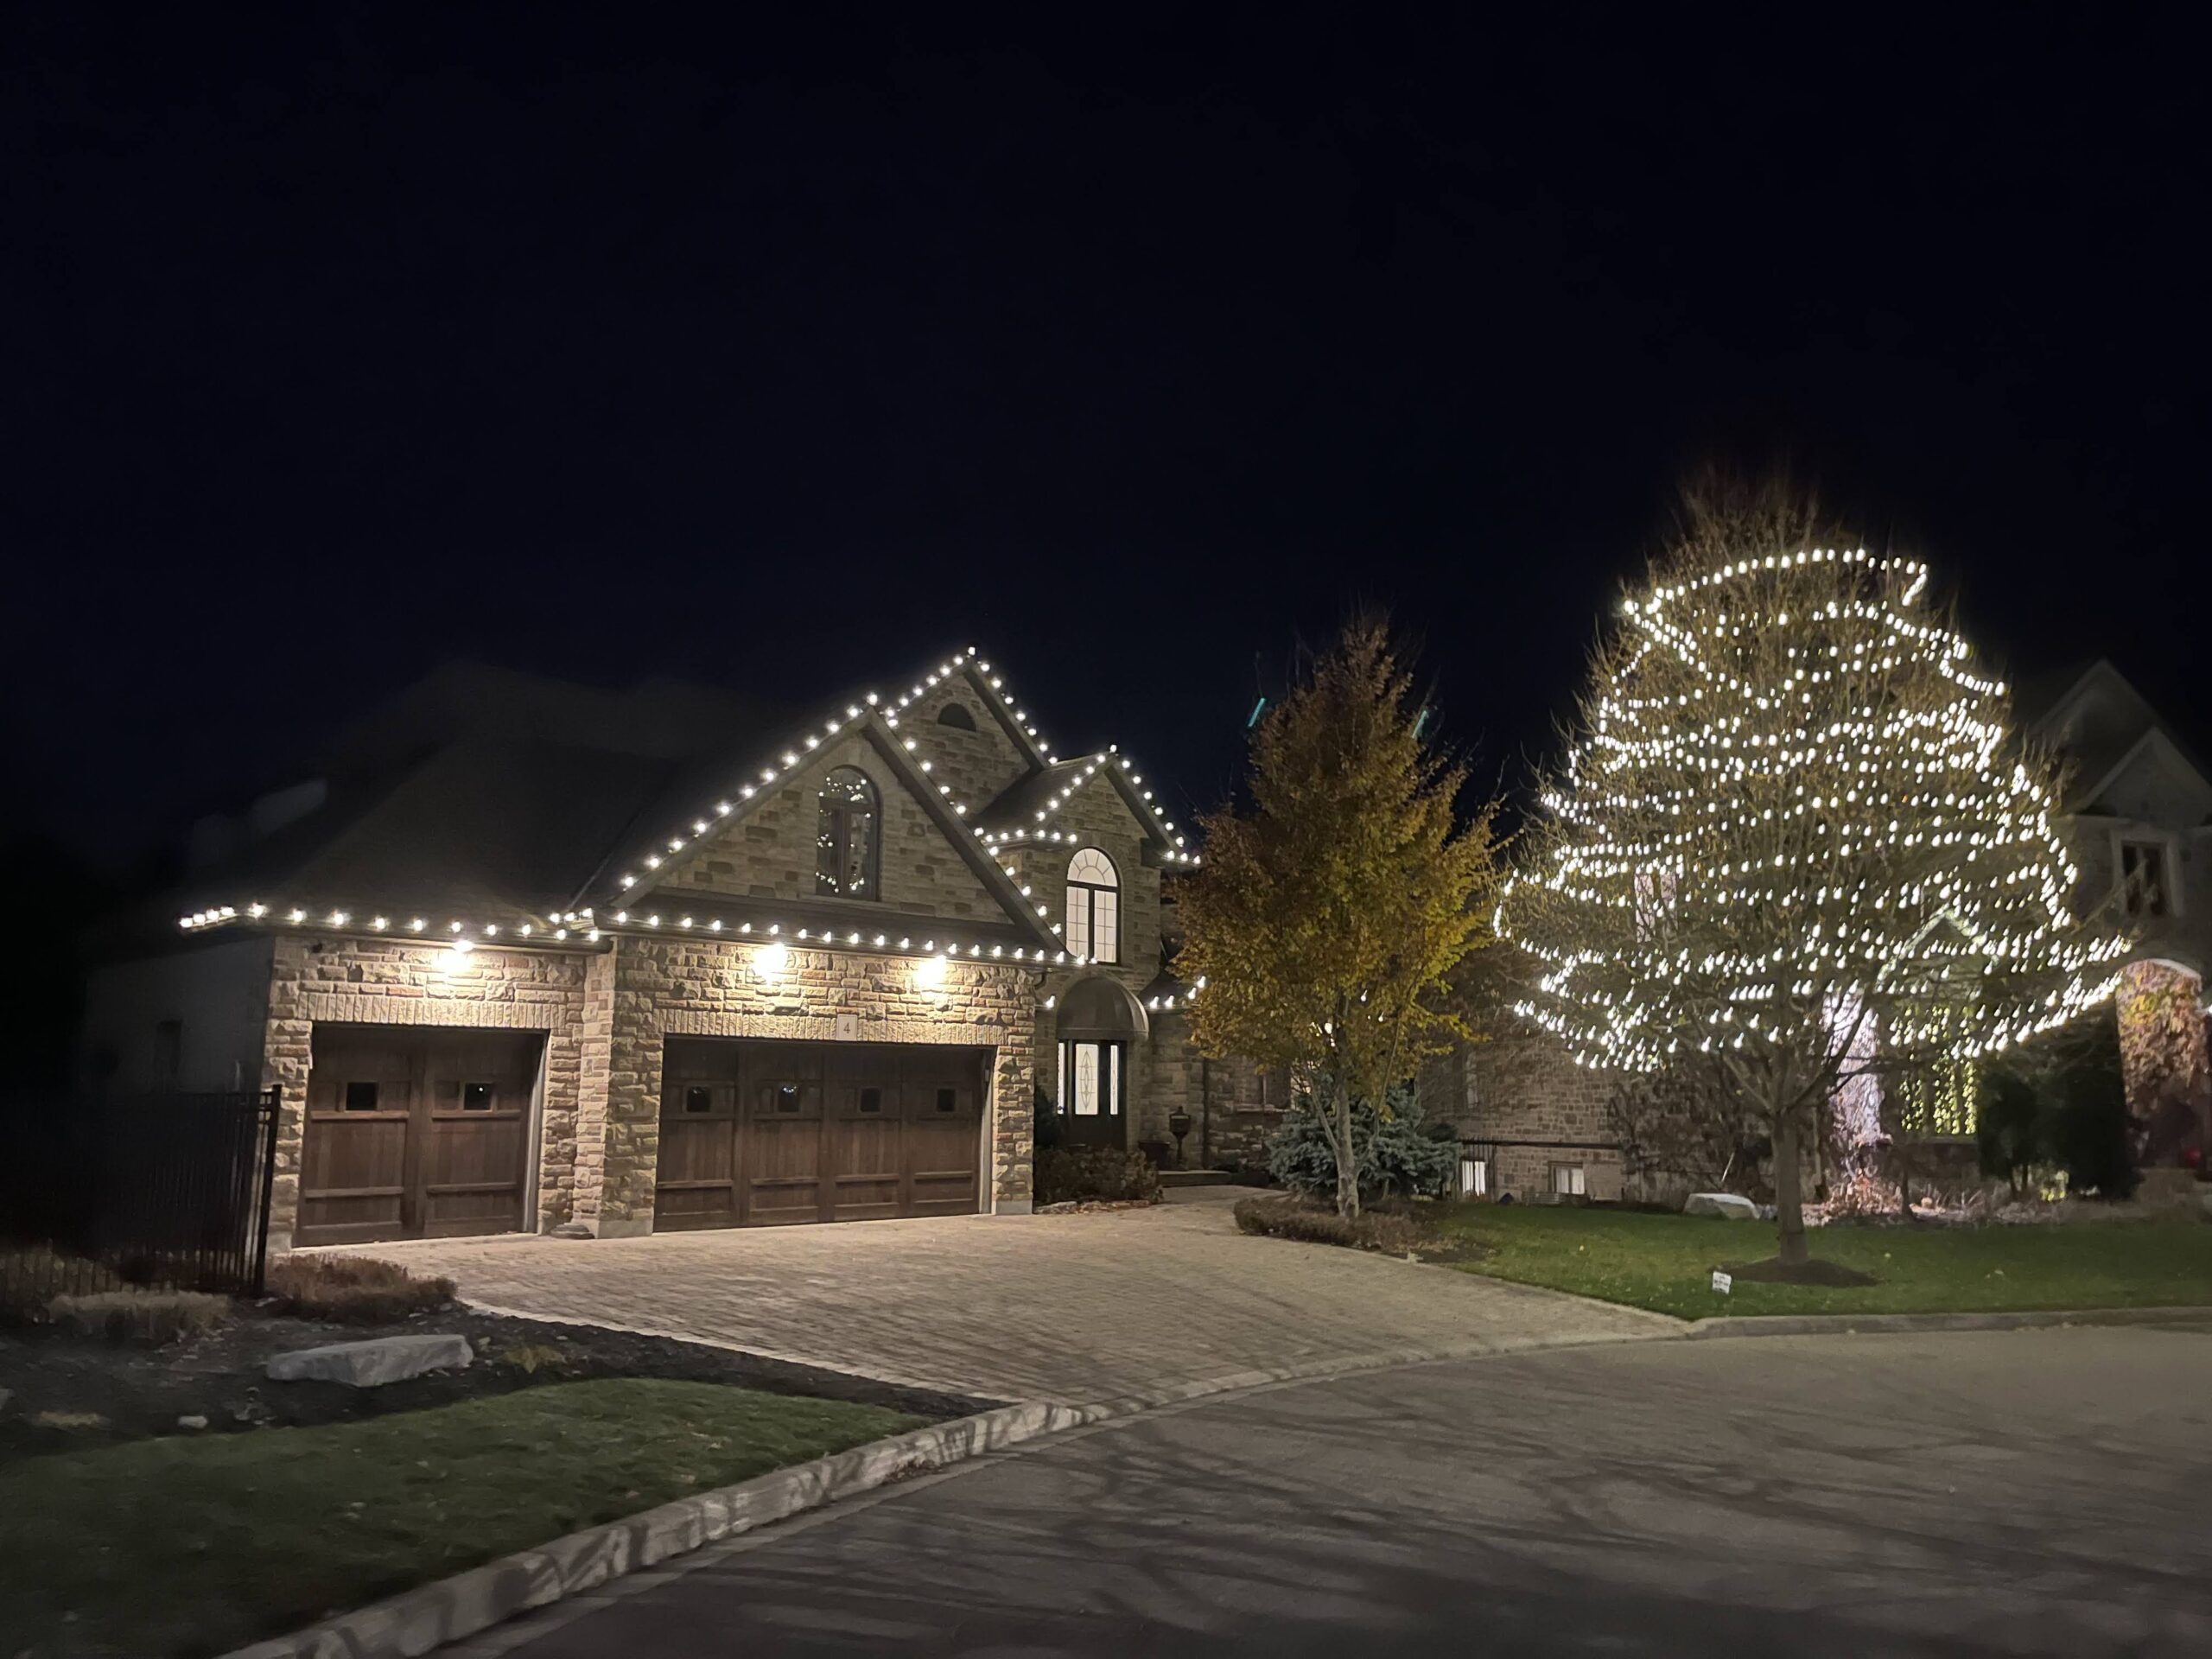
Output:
x=341 y=341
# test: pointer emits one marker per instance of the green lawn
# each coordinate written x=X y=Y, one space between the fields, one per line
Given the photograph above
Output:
x=1666 y=1262
x=187 y=1546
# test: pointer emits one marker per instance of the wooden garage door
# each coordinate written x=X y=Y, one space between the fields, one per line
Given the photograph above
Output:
x=756 y=1134
x=415 y=1133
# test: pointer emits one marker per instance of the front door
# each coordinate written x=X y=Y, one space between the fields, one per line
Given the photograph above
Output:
x=1094 y=1092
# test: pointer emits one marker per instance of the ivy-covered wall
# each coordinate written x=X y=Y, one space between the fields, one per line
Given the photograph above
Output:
x=2163 y=1057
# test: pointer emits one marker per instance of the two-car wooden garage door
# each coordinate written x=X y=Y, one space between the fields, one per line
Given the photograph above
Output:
x=755 y=1133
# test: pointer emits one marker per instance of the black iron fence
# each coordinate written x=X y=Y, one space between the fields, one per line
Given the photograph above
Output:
x=167 y=1190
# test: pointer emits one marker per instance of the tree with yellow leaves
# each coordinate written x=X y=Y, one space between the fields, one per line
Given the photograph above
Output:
x=1329 y=914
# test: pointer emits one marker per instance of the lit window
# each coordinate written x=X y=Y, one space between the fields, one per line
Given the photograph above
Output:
x=1567 y=1180
x=2143 y=879
x=1474 y=1178
x=845 y=835
x=1094 y=906
x=1091 y=1079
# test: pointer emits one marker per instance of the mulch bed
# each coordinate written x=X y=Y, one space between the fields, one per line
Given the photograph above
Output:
x=139 y=1391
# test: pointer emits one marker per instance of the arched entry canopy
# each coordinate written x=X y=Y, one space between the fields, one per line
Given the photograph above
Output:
x=1100 y=1008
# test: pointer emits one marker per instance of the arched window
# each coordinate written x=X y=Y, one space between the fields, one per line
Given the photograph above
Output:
x=956 y=716
x=846 y=836
x=1094 y=927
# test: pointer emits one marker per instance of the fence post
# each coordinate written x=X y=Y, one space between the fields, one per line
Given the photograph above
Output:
x=275 y=1097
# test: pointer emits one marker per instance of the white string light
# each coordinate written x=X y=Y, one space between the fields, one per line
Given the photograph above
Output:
x=791 y=759
x=1858 y=809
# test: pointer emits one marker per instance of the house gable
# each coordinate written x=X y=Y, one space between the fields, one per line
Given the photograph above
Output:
x=770 y=851
x=2153 y=783
x=981 y=751
x=761 y=846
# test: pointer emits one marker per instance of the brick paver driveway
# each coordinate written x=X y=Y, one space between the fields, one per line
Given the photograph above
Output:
x=1076 y=1308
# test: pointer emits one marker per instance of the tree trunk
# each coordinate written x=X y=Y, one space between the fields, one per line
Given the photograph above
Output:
x=1347 y=1166
x=1789 y=1190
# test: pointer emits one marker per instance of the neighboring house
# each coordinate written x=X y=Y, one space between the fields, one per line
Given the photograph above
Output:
x=2136 y=813
x=529 y=955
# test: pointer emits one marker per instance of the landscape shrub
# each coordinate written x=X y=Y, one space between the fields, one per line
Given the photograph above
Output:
x=1064 y=1173
x=155 y=1317
x=2063 y=1102
x=353 y=1290
x=2010 y=1127
x=2089 y=1131
x=1046 y=1127
x=32 y=1275
x=1398 y=1153
x=1383 y=1231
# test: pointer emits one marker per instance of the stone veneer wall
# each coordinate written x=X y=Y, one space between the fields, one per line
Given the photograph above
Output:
x=1524 y=1086
x=701 y=987
x=372 y=982
x=606 y=1016
x=980 y=766
x=770 y=851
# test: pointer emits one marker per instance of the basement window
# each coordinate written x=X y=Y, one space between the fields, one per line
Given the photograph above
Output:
x=1567 y=1180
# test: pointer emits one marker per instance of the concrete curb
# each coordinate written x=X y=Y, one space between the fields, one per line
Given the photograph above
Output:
x=1845 y=1324
x=417 y=1621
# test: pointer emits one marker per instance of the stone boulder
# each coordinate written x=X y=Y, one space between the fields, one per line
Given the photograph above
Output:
x=1727 y=1206
x=370 y=1364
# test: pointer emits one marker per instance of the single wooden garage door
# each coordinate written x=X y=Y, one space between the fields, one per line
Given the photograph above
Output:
x=414 y=1132
x=756 y=1133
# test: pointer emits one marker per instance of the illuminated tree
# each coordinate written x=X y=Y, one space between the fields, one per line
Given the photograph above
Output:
x=1792 y=848
x=1326 y=919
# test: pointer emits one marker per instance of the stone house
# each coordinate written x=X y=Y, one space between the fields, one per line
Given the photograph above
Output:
x=529 y=956
x=2136 y=810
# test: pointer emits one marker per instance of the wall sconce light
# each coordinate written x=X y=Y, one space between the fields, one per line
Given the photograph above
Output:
x=770 y=960
x=929 y=974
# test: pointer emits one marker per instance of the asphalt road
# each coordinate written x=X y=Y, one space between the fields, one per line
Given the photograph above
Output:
x=2021 y=1492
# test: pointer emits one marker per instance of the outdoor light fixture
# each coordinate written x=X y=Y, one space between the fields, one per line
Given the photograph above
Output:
x=770 y=960
x=929 y=974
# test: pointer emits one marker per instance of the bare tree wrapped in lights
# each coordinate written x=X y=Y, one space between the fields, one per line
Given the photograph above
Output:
x=1792 y=849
